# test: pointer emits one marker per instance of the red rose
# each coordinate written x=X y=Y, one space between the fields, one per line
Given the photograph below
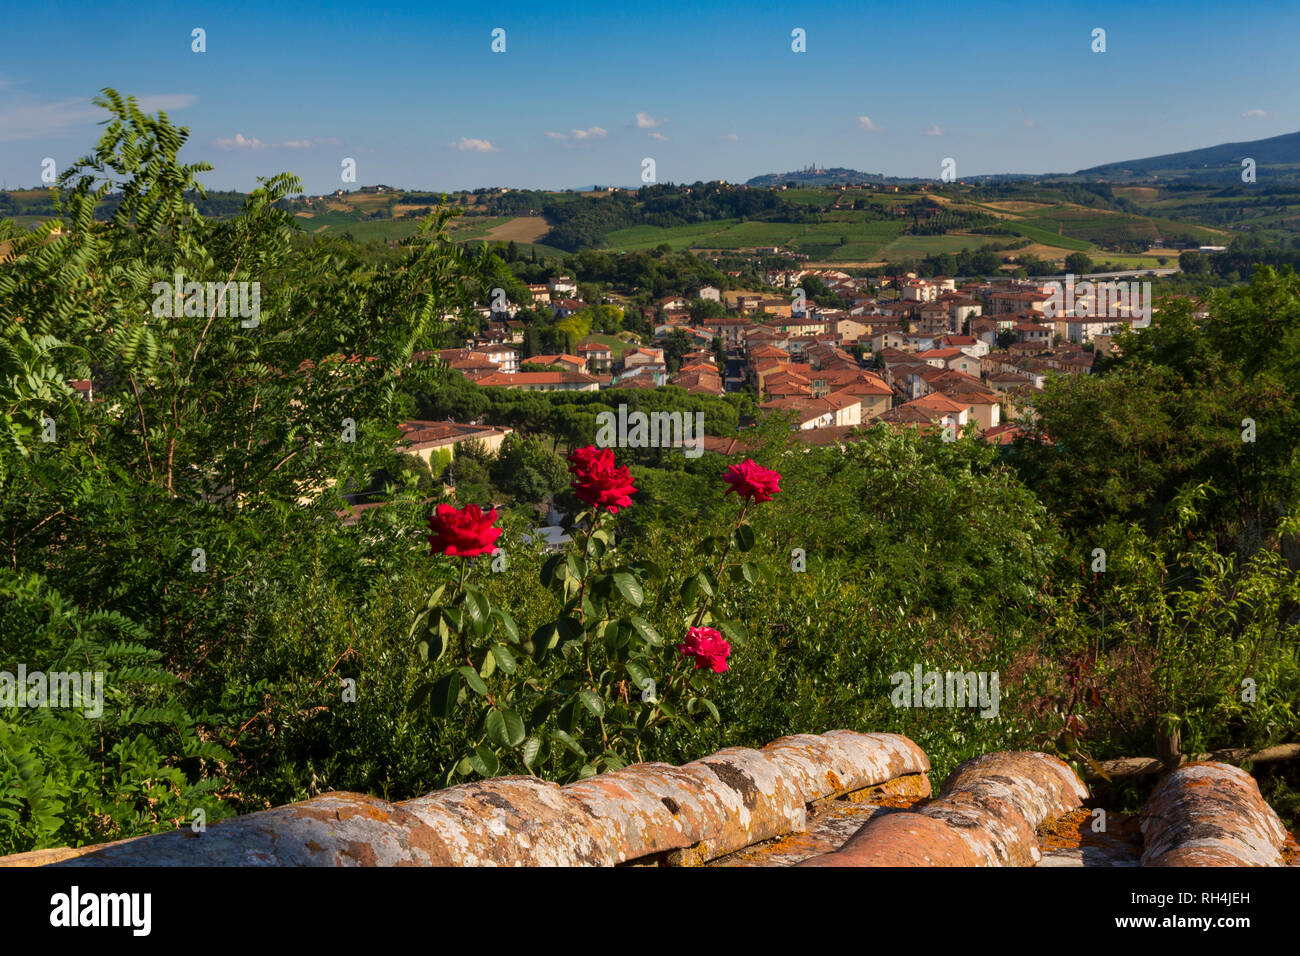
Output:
x=752 y=480
x=597 y=482
x=707 y=647
x=465 y=533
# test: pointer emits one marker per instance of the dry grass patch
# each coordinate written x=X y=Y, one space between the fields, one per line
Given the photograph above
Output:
x=520 y=229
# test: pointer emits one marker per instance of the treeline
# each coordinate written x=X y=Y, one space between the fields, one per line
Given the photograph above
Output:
x=1238 y=262
x=587 y=220
x=977 y=262
x=212 y=204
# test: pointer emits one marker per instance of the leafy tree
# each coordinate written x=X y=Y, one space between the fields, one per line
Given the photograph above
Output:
x=525 y=469
x=1078 y=263
x=676 y=345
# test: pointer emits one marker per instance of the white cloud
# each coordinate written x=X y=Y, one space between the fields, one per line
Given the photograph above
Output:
x=556 y=135
x=240 y=141
x=646 y=121
x=467 y=145
x=934 y=130
x=1028 y=123
x=732 y=137
x=659 y=136
x=1256 y=114
x=22 y=117
x=591 y=132
x=865 y=123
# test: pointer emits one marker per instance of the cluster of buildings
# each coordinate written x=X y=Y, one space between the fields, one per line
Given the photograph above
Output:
x=915 y=352
x=934 y=354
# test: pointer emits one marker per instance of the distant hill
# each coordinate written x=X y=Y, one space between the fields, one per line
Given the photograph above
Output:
x=1212 y=162
x=817 y=177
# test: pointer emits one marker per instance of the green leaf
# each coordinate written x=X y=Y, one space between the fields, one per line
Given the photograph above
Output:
x=621 y=639
x=577 y=566
x=420 y=696
x=508 y=625
x=750 y=572
x=742 y=539
x=650 y=571
x=591 y=700
x=530 y=750
x=496 y=729
x=505 y=660
x=706 y=546
x=567 y=718
x=542 y=711
x=479 y=611
x=420 y=621
x=646 y=632
x=444 y=694
x=474 y=681
x=504 y=727
x=544 y=640
x=434 y=640
x=629 y=588
x=484 y=761
x=638 y=673
x=569 y=629
x=733 y=631
x=453 y=618
x=712 y=708
x=567 y=740
x=690 y=588
x=515 y=731
x=552 y=566
x=435 y=597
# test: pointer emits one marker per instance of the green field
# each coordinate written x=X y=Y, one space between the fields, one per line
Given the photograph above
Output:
x=915 y=247
x=749 y=234
x=821 y=198
x=863 y=237
x=1131 y=262
x=617 y=345
x=475 y=227
x=1048 y=237
x=361 y=230
x=1060 y=224
x=678 y=237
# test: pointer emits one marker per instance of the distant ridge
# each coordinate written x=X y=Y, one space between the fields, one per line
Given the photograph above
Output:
x=1217 y=161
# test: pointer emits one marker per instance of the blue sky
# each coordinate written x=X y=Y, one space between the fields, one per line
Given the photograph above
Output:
x=585 y=91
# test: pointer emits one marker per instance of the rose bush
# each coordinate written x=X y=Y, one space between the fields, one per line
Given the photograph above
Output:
x=591 y=685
